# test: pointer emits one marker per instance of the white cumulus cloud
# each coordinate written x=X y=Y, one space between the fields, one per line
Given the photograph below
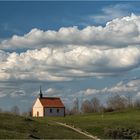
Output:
x=73 y=53
x=131 y=87
x=120 y=32
x=66 y=64
x=110 y=12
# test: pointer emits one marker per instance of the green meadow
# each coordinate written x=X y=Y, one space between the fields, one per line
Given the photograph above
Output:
x=15 y=127
x=97 y=124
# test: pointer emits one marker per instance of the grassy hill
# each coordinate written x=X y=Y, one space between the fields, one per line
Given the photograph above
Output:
x=14 y=127
x=97 y=124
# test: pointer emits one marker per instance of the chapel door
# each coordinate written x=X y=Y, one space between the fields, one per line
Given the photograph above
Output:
x=37 y=114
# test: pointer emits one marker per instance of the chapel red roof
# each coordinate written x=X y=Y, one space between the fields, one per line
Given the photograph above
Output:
x=51 y=102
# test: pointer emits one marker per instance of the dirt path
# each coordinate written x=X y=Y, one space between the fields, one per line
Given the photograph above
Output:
x=78 y=130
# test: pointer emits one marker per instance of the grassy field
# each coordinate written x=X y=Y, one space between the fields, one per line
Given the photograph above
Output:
x=97 y=123
x=20 y=127
x=15 y=127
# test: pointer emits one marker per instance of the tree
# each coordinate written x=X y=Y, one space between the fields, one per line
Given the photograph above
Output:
x=137 y=103
x=15 y=110
x=67 y=111
x=116 y=102
x=86 y=106
x=95 y=103
x=75 y=109
x=129 y=101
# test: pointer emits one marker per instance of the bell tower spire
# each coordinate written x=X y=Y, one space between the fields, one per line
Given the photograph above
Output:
x=41 y=95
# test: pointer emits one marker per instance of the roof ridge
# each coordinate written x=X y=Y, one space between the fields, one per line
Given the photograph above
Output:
x=51 y=97
x=51 y=101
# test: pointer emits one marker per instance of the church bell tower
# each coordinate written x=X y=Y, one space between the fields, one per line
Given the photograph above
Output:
x=41 y=95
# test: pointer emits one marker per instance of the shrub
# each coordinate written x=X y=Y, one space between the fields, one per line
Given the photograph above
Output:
x=122 y=133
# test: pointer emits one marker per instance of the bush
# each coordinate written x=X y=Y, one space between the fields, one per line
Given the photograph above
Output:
x=108 y=110
x=122 y=133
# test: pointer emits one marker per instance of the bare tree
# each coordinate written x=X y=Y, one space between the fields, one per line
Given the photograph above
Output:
x=75 y=109
x=129 y=101
x=137 y=103
x=116 y=102
x=68 y=111
x=15 y=110
x=86 y=106
x=96 y=106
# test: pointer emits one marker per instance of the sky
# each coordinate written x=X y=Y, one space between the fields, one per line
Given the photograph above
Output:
x=72 y=49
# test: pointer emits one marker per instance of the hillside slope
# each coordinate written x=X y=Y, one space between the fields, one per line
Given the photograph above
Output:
x=15 y=127
x=121 y=124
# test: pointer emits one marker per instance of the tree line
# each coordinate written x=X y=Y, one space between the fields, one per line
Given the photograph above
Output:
x=113 y=103
x=15 y=110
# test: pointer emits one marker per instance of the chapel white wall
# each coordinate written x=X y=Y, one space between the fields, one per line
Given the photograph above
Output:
x=37 y=107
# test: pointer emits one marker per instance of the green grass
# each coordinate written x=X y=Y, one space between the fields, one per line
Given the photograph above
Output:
x=15 y=127
x=19 y=127
x=96 y=123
